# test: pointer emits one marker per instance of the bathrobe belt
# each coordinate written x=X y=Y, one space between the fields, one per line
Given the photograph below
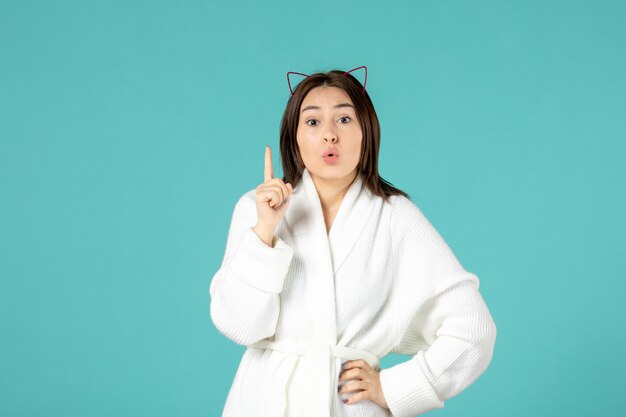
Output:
x=318 y=363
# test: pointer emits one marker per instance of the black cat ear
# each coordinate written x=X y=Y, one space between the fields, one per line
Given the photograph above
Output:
x=354 y=69
x=289 y=81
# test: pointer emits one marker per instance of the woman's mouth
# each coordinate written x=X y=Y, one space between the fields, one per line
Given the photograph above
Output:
x=330 y=158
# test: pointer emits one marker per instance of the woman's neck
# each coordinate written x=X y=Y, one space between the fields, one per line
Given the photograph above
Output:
x=331 y=192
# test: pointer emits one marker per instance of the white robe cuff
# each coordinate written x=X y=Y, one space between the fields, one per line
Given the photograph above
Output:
x=259 y=265
x=407 y=390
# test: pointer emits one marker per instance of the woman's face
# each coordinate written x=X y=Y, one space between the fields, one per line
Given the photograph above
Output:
x=328 y=120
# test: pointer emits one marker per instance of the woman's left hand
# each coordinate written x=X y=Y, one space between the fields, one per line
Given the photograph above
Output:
x=366 y=383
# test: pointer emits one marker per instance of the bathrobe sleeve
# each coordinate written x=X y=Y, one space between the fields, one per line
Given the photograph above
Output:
x=442 y=319
x=245 y=290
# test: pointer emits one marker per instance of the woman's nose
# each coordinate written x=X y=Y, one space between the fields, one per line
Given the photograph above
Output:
x=329 y=134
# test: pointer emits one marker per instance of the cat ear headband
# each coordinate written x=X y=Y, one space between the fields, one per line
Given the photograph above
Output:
x=347 y=72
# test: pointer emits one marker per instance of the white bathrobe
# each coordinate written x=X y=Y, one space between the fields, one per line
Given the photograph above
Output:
x=382 y=281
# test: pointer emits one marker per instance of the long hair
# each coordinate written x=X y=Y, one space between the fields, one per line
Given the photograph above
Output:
x=368 y=120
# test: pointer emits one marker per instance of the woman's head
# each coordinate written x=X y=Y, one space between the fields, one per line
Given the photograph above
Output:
x=329 y=123
x=332 y=110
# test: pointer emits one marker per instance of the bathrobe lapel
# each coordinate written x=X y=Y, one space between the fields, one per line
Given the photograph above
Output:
x=353 y=214
x=312 y=376
x=328 y=252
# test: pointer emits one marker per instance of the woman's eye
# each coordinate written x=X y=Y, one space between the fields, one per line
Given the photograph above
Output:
x=311 y=120
x=346 y=117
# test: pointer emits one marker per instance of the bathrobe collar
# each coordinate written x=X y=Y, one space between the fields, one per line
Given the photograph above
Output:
x=305 y=216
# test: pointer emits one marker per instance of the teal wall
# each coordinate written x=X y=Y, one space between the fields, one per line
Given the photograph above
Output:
x=129 y=129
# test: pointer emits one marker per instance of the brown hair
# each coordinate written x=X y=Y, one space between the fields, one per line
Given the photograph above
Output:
x=368 y=162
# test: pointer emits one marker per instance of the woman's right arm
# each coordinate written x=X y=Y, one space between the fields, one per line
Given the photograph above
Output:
x=245 y=290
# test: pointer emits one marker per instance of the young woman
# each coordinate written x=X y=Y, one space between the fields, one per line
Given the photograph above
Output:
x=331 y=268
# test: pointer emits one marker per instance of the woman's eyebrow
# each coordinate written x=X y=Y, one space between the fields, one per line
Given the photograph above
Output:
x=317 y=107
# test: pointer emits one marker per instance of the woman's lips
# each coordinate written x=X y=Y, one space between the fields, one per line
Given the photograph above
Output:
x=330 y=156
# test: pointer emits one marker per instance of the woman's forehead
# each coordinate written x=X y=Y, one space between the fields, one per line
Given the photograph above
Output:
x=326 y=94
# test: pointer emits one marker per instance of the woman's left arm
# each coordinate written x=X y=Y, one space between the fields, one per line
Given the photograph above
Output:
x=461 y=333
x=450 y=334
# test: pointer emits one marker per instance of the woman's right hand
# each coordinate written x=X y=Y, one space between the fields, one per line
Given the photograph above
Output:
x=272 y=197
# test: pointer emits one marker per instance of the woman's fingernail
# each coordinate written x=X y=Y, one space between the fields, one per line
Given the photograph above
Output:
x=345 y=401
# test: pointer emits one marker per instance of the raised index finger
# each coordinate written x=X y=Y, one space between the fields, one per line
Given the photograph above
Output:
x=269 y=169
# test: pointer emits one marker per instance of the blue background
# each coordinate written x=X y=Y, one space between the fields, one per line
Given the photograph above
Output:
x=129 y=129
